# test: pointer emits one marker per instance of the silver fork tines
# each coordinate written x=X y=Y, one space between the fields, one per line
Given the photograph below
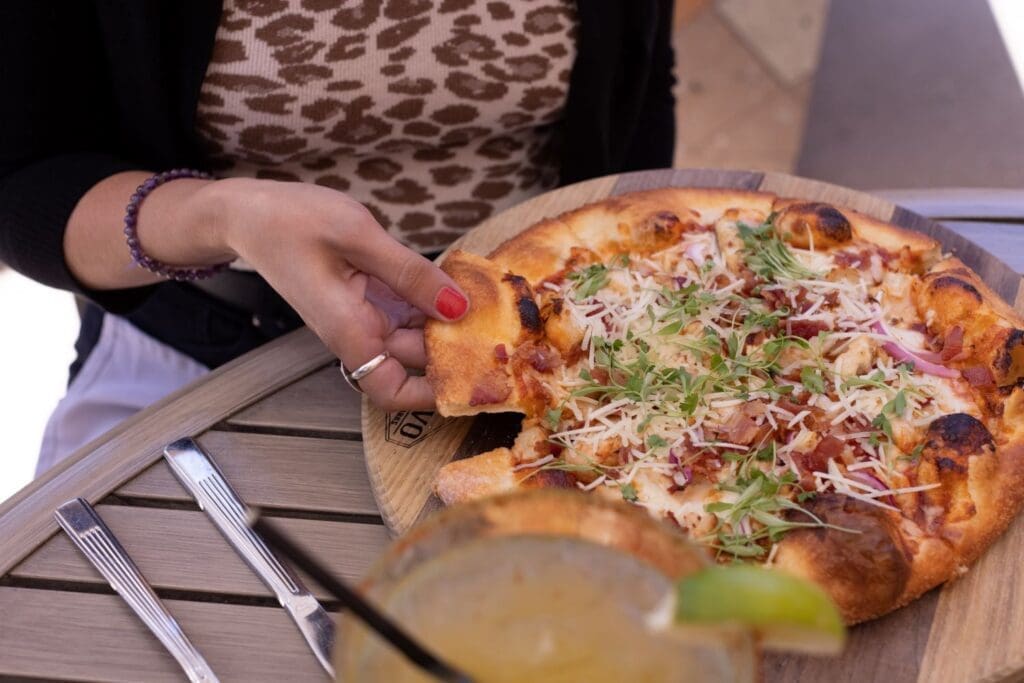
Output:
x=88 y=532
x=201 y=478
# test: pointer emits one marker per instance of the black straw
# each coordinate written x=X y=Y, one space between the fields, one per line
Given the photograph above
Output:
x=350 y=599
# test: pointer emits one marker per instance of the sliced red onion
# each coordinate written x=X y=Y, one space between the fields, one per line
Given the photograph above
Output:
x=874 y=482
x=680 y=479
x=867 y=479
x=672 y=457
x=902 y=354
x=688 y=473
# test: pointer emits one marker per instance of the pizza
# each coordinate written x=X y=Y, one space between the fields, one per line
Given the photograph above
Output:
x=788 y=382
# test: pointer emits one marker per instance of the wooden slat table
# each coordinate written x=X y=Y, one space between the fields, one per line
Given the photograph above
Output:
x=285 y=430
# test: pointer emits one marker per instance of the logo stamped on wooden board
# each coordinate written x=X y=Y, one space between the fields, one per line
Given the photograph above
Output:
x=408 y=427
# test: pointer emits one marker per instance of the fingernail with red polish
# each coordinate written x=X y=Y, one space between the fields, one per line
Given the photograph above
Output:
x=450 y=303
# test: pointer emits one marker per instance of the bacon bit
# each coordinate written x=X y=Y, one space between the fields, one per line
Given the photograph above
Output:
x=979 y=376
x=750 y=281
x=791 y=406
x=623 y=455
x=953 y=344
x=806 y=329
x=500 y=353
x=817 y=460
x=774 y=298
x=540 y=357
x=802 y=302
x=545 y=448
x=848 y=259
x=544 y=359
x=754 y=408
x=493 y=388
x=739 y=428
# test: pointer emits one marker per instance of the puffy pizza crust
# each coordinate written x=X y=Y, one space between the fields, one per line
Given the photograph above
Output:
x=952 y=295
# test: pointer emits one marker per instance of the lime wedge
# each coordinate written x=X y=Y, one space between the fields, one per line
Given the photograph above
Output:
x=785 y=612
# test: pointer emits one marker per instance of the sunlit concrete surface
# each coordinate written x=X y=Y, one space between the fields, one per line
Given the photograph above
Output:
x=38 y=326
x=1009 y=16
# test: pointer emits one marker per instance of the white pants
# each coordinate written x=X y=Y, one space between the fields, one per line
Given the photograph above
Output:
x=126 y=371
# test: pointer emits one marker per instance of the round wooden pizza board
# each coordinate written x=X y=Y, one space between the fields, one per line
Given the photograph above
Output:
x=969 y=630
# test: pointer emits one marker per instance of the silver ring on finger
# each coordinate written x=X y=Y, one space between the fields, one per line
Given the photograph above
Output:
x=352 y=377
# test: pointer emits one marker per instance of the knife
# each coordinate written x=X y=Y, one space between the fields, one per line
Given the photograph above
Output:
x=99 y=545
x=201 y=477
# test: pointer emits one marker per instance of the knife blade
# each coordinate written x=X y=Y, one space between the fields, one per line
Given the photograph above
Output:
x=204 y=481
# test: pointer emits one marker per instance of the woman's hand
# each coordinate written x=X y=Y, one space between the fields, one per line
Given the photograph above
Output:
x=356 y=287
x=360 y=290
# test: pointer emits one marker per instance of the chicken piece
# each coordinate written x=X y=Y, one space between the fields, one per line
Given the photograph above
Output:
x=856 y=359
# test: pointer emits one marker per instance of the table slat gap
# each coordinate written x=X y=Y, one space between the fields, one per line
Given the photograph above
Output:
x=300 y=432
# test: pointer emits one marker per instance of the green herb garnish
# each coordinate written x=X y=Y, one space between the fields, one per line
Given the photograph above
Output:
x=589 y=281
x=628 y=492
x=768 y=256
x=812 y=380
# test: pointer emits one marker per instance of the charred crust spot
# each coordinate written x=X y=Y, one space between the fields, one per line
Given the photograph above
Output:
x=823 y=219
x=832 y=223
x=529 y=314
x=949 y=465
x=1012 y=351
x=955 y=437
x=872 y=564
x=944 y=282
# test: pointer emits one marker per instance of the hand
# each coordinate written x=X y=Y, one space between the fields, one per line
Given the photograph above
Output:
x=356 y=287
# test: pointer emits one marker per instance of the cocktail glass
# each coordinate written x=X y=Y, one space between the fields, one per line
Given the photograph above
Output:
x=542 y=586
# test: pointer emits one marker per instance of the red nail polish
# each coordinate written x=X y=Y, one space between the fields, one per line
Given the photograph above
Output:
x=450 y=303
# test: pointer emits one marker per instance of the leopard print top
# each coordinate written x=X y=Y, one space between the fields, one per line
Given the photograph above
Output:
x=434 y=114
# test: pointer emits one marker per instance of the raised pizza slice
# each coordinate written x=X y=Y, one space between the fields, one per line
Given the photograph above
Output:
x=789 y=382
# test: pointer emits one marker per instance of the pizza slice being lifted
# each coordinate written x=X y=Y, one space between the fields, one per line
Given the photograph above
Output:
x=788 y=382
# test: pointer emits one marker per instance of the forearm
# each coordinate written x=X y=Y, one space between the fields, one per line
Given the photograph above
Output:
x=178 y=224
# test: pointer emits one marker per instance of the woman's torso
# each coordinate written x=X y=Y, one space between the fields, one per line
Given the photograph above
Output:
x=435 y=115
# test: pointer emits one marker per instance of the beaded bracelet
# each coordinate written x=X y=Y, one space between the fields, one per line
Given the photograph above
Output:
x=141 y=258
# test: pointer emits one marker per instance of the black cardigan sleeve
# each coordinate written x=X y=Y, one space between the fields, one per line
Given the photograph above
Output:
x=653 y=142
x=56 y=137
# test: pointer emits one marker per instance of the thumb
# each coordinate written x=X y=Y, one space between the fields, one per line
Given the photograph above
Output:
x=410 y=275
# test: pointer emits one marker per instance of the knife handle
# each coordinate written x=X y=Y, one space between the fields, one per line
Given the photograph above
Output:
x=200 y=476
x=99 y=545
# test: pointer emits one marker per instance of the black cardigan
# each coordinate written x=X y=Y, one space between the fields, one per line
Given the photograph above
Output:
x=89 y=89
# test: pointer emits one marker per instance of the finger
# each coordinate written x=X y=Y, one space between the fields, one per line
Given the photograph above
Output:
x=407 y=347
x=390 y=387
x=409 y=275
x=355 y=336
x=400 y=313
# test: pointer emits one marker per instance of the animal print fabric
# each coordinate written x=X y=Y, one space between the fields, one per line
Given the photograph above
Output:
x=434 y=114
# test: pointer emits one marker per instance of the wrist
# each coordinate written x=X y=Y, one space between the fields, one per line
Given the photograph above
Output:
x=218 y=213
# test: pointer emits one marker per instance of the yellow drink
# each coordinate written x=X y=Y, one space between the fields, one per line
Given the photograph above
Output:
x=505 y=595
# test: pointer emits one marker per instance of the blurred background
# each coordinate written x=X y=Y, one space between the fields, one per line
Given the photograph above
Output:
x=873 y=94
